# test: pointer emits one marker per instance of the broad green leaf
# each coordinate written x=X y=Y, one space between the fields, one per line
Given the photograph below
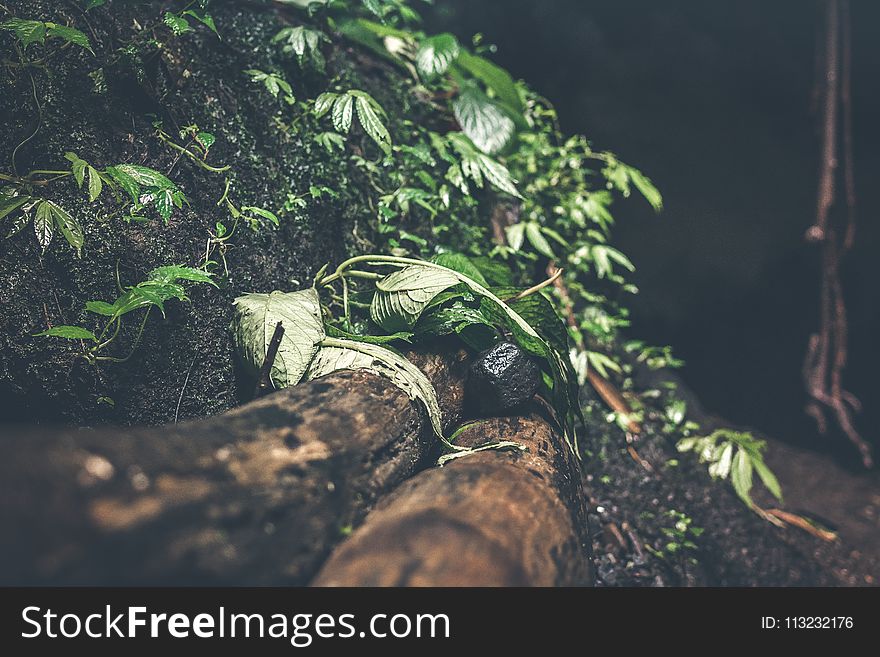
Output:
x=69 y=332
x=435 y=54
x=337 y=354
x=462 y=264
x=488 y=127
x=256 y=316
x=342 y=113
x=69 y=34
x=27 y=31
x=721 y=467
x=537 y=240
x=493 y=76
x=515 y=234
x=401 y=296
x=44 y=224
x=497 y=273
x=145 y=176
x=177 y=24
x=475 y=165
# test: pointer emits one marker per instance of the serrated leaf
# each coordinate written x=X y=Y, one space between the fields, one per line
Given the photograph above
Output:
x=44 y=224
x=77 y=166
x=177 y=24
x=69 y=332
x=487 y=126
x=69 y=227
x=371 y=123
x=70 y=35
x=324 y=102
x=515 y=234
x=27 y=31
x=435 y=54
x=723 y=464
x=343 y=108
x=337 y=354
x=256 y=316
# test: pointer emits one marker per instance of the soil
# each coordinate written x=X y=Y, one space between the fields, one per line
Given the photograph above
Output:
x=184 y=366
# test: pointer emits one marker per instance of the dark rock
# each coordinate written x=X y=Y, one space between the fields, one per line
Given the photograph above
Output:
x=502 y=377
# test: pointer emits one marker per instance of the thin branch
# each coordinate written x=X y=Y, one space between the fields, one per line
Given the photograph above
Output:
x=264 y=380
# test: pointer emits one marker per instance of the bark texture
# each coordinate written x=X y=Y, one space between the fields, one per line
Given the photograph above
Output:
x=490 y=519
x=256 y=496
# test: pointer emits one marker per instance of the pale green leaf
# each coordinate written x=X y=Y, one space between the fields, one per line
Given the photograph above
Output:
x=488 y=127
x=435 y=54
x=256 y=316
x=337 y=354
x=342 y=113
x=69 y=332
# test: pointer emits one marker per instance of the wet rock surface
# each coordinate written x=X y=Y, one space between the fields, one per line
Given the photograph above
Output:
x=502 y=378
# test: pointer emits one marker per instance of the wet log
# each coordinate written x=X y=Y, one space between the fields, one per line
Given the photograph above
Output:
x=489 y=519
x=258 y=495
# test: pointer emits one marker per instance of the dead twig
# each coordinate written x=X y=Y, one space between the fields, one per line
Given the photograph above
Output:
x=800 y=522
x=264 y=380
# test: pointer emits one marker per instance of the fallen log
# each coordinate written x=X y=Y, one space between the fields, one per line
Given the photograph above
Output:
x=258 y=495
x=490 y=519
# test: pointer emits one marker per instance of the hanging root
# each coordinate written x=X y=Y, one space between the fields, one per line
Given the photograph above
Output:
x=826 y=355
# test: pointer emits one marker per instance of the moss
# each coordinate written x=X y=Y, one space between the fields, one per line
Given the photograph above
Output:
x=198 y=79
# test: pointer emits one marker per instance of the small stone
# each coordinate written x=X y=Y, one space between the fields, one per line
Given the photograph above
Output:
x=502 y=377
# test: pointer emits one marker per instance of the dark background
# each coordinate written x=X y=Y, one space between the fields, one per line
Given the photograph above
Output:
x=712 y=100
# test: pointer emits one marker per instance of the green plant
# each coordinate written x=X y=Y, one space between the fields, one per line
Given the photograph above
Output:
x=343 y=106
x=25 y=200
x=734 y=455
x=678 y=539
x=161 y=285
x=418 y=300
x=276 y=85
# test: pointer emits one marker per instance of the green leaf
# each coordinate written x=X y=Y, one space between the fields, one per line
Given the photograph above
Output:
x=435 y=54
x=68 y=226
x=497 y=273
x=475 y=165
x=462 y=264
x=646 y=188
x=262 y=212
x=10 y=204
x=324 y=102
x=537 y=240
x=177 y=24
x=401 y=296
x=342 y=113
x=91 y=4
x=203 y=18
x=44 y=224
x=69 y=332
x=77 y=166
x=146 y=176
x=516 y=235
x=26 y=31
x=69 y=35
x=768 y=478
x=336 y=354
x=173 y=273
x=368 y=115
x=741 y=476
x=256 y=316
x=721 y=467
x=493 y=76
x=101 y=308
x=488 y=127
x=95 y=184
